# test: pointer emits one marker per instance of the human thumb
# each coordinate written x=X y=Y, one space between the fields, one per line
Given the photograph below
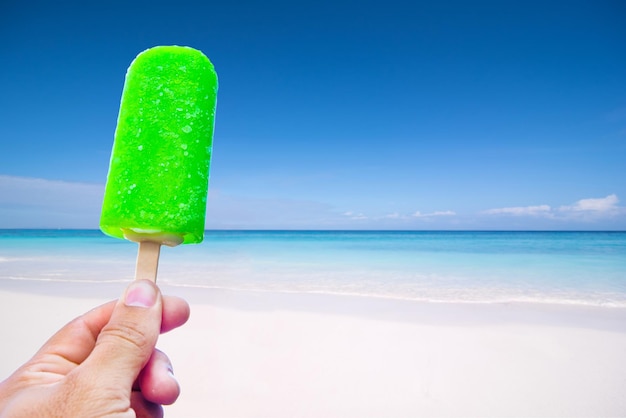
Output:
x=126 y=343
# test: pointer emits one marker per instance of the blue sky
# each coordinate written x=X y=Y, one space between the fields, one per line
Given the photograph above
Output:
x=338 y=114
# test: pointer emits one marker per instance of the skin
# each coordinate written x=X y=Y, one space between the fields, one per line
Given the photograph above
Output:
x=103 y=363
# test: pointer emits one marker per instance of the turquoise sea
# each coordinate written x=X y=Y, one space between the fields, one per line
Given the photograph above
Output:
x=586 y=268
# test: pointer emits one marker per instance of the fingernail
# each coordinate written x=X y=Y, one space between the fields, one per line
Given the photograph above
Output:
x=141 y=293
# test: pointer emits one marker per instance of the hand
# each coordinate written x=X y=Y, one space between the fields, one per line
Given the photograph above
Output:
x=103 y=363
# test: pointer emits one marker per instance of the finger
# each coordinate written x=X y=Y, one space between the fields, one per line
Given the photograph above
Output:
x=126 y=342
x=144 y=408
x=175 y=313
x=73 y=343
x=157 y=381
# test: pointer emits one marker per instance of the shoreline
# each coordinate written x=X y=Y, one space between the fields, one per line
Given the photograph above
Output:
x=609 y=318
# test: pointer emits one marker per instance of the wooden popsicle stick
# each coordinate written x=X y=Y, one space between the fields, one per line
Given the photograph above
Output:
x=147 y=260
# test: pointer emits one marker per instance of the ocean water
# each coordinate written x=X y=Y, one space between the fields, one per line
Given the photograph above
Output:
x=585 y=268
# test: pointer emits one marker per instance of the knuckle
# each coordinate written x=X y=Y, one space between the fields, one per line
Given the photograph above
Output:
x=127 y=334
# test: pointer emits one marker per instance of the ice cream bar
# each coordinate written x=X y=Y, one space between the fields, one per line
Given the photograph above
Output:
x=157 y=184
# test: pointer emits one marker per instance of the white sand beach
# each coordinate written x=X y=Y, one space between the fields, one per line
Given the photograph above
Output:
x=256 y=354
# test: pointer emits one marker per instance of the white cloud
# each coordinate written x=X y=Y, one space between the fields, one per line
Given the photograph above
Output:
x=39 y=203
x=541 y=210
x=394 y=215
x=226 y=211
x=355 y=216
x=418 y=214
x=444 y=213
x=605 y=204
x=590 y=209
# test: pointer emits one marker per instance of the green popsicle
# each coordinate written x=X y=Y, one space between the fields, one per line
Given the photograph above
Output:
x=158 y=175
